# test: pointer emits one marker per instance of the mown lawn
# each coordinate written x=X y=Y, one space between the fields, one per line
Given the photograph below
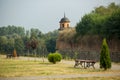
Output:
x=16 y=68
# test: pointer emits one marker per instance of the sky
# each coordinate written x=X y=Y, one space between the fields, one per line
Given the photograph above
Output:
x=46 y=14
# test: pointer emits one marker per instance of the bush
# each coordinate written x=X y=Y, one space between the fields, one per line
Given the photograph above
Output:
x=54 y=57
x=105 y=61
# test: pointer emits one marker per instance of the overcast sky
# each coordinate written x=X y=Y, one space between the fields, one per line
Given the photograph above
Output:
x=45 y=14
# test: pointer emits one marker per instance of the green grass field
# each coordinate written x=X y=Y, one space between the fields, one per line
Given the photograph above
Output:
x=17 y=67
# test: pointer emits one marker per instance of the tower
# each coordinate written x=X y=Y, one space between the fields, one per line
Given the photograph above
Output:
x=64 y=23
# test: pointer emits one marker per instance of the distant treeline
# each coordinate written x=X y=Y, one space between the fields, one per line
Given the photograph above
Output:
x=103 y=21
x=15 y=37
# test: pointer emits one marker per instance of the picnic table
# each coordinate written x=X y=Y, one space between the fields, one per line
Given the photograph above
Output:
x=9 y=55
x=84 y=63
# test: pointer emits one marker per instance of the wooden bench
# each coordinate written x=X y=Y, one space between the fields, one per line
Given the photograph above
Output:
x=84 y=63
x=9 y=56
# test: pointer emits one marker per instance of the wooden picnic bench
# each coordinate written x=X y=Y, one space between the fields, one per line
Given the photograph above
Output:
x=84 y=63
x=9 y=56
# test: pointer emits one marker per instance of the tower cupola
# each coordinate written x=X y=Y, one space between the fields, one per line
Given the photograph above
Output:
x=64 y=23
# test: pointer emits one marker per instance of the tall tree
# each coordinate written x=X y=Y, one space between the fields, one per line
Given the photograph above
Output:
x=19 y=45
x=105 y=61
x=3 y=43
x=103 y=21
x=51 y=45
x=85 y=25
x=112 y=26
x=10 y=45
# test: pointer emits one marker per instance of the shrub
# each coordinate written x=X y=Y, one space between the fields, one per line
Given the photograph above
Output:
x=14 y=53
x=105 y=61
x=54 y=57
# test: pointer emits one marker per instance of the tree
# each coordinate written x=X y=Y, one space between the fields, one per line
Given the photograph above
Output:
x=3 y=43
x=9 y=30
x=51 y=45
x=112 y=26
x=19 y=45
x=103 y=21
x=14 y=53
x=34 y=43
x=85 y=25
x=10 y=45
x=105 y=61
x=50 y=41
x=35 y=33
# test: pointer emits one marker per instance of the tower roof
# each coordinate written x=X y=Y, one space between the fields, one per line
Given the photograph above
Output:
x=64 y=19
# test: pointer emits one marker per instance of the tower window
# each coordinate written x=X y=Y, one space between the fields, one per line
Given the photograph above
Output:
x=63 y=25
x=67 y=25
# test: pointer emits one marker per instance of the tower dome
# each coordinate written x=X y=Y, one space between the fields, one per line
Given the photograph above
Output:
x=64 y=23
x=64 y=19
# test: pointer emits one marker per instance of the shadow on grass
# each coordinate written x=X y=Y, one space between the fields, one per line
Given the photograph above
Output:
x=88 y=69
x=46 y=63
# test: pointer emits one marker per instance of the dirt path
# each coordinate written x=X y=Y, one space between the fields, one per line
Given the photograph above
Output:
x=61 y=76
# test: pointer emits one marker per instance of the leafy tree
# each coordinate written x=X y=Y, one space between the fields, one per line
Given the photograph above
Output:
x=19 y=45
x=50 y=41
x=41 y=49
x=3 y=43
x=34 y=44
x=85 y=25
x=35 y=33
x=112 y=26
x=10 y=45
x=9 y=30
x=51 y=45
x=105 y=61
x=103 y=21
x=27 y=34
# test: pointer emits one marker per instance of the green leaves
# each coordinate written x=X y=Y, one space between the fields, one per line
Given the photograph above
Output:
x=105 y=61
x=112 y=25
x=85 y=25
x=103 y=21
x=54 y=57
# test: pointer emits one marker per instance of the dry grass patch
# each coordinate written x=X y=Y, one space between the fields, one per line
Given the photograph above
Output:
x=89 y=78
x=16 y=67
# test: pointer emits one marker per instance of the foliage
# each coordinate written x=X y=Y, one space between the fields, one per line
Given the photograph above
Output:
x=50 y=41
x=10 y=30
x=85 y=25
x=14 y=53
x=51 y=44
x=113 y=25
x=34 y=44
x=105 y=61
x=19 y=45
x=3 y=43
x=54 y=57
x=103 y=21
x=35 y=33
x=26 y=41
